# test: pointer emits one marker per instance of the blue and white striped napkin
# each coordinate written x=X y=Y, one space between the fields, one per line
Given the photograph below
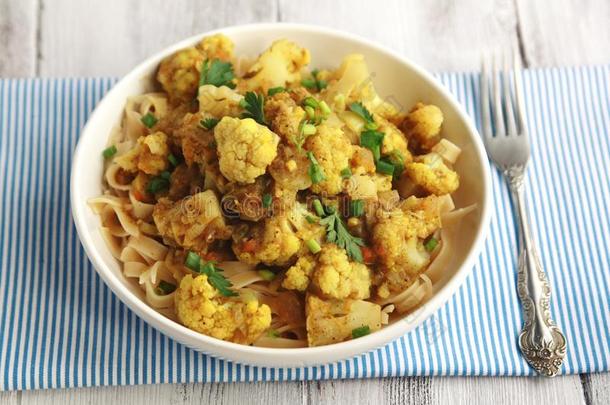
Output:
x=60 y=326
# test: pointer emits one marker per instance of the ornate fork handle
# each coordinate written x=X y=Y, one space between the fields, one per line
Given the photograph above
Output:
x=542 y=343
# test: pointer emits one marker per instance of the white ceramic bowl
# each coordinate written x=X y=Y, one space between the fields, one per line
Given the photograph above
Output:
x=393 y=76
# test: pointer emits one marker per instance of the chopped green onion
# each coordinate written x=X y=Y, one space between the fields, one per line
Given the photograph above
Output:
x=310 y=111
x=311 y=219
x=308 y=129
x=158 y=183
x=274 y=90
x=398 y=160
x=173 y=159
x=192 y=261
x=346 y=173
x=310 y=102
x=324 y=108
x=209 y=123
x=361 y=331
x=266 y=275
x=431 y=244
x=384 y=167
x=309 y=83
x=371 y=126
x=166 y=288
x=372 y=140
x=148 y=120
x=313 y=245
x=109 y=152
x=267 y=200
x=316 y=174
x=272 y=333
x=356 y=208
x=317 y=206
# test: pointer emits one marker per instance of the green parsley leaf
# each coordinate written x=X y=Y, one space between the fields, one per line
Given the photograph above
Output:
x=209 y=123
x=149 y=120
x=372 y=140
x=274 y=90
x=109 y=152
x=254 y=105
x=315 y=171
x=361 y=331
x=360 y=109
x=217 y=73
x=216 y=279
x=267 y=200
x=337 y=233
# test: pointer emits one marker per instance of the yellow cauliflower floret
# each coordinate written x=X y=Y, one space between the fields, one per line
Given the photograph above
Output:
x=245 y=148
x=179 y=74
x=279 y=239
x=297 y=276
x=217 y=46
x=336 y=277
x=219 y=101
x=393 y=140
x=201 y=308
x=398 y=240
x=191 y=223
x=284 y=115
x=289 y=169
x=279 y=65
x=430 y=172
x=333 y=152
x=148 y=155
x=423 y=125
x=332 y=321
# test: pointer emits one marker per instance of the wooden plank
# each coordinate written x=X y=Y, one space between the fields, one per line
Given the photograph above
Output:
x=18 y=21
x=597 y=388
x=508 y=390
x=196 y=394
x=441 y=35
x=108 y=38
x=565 y=32
x=10 y=398
x=415 y=390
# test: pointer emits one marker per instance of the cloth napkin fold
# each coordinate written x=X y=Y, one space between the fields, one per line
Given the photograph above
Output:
x=60 y=326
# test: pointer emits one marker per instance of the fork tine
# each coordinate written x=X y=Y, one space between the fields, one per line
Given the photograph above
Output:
x=486 y=116
x=519 y=93
x=508 y=97
x=497 y=99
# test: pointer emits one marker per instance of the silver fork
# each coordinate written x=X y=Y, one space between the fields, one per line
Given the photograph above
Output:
x=541 y=342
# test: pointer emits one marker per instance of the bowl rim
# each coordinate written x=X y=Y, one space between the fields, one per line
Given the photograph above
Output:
x=263 y=356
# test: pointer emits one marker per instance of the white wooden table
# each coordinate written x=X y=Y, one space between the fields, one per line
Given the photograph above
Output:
x=108 y=37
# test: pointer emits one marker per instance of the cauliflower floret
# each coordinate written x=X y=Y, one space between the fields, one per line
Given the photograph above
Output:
x=394 y=140
x=279 y=239
x=289 y=169
x=201 y=308
x=284 y=115
x=219 y=101
x=179 y=72
x=336 y=277
x=398 y=240
x=191 y=223
x=333 y=152
x=423 y=125
x=333 y=321
x=362 y=161
x=245 y=148
x=217 y=46
x=148 y=155
x=297 y=276
x=279 y=65
x=430 y=172
x=350 y=82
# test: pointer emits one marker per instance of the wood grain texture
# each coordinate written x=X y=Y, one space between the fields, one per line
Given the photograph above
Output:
x=126 y=32
x=596 y=388
x=18 y=21
x=565 y=32
x=441 y=35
